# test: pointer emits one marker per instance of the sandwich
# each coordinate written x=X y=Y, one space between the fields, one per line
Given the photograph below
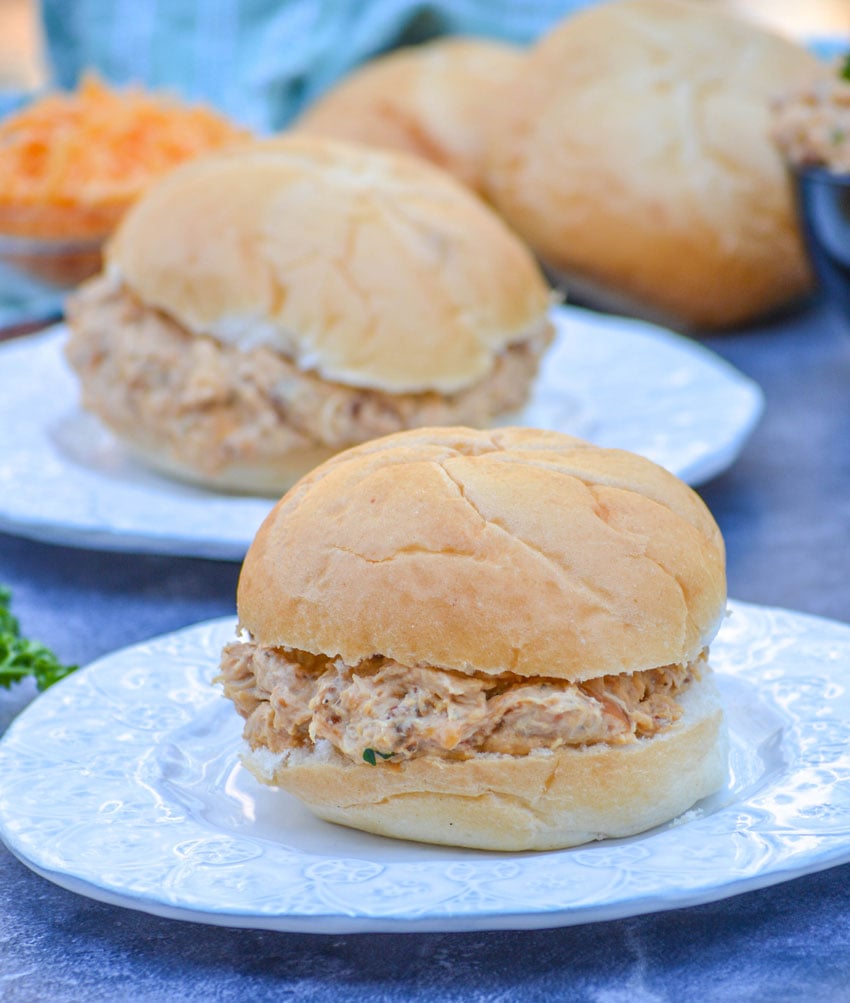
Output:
x=634 y=155
x=263 y=307
x=492 y=639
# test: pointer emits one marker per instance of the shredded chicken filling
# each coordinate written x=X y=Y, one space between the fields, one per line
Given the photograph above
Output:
x=291 y=699
x=211 y=404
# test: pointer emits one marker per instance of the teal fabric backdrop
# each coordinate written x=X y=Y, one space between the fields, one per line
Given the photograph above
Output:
x=261 y=61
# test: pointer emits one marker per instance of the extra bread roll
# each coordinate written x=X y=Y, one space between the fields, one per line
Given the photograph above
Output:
x=432 y=100
x=262 y=308
x=489 y=639
x=634 y=154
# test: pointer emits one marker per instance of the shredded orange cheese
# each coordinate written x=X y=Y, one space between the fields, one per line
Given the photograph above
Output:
x=71 y=163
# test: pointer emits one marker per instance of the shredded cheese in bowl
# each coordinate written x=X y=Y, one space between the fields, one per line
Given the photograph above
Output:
x=71 y=163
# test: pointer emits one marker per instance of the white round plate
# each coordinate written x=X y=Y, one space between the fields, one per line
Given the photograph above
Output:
x=65 y=479
x=123 y=783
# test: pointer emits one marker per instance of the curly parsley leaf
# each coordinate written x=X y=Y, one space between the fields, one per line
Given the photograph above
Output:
x=21 y=657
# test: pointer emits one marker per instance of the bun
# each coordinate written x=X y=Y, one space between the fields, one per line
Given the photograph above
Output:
x=485 y=551
x=370 y=268
x=267 y=306
x=431 y=100
x=266 y=476
x=516 y=559
x=542 y=801
x=645 y=176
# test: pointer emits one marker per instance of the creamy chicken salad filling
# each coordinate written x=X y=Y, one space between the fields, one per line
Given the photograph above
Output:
x=211 y=404
x=811 y=125
x=292 y=699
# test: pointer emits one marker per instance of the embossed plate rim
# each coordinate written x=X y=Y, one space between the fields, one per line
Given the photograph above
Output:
x=791 y=660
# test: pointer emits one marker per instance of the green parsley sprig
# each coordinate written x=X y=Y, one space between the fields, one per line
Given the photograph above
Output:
x=20 y=657
x=369 y=756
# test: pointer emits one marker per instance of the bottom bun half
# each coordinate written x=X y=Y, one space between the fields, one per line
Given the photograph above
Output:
x=268 y=476
x=543 y=801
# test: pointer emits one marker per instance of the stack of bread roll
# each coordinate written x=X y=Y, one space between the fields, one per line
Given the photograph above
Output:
x=629 y=147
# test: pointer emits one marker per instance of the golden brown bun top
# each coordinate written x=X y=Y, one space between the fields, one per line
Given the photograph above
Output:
x=432 y=100
x=513 y=549
x=647 y=167
x=368 y=267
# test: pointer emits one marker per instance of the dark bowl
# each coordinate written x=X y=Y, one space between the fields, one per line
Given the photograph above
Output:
x=823 y=202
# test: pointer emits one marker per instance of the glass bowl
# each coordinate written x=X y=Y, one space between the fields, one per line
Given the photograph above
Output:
x=49 y=265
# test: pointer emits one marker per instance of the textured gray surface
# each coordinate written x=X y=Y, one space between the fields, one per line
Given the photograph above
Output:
x=785 y=511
